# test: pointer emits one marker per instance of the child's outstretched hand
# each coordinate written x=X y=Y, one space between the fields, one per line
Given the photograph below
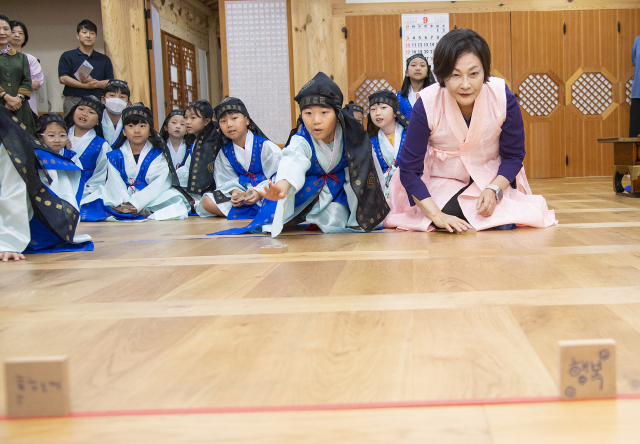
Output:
x=275 y=191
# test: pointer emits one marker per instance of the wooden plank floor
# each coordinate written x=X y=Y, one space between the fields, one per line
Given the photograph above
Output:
x=160 y=316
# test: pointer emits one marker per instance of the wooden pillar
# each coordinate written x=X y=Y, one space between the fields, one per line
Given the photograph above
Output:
x=318 y=43
x=215 y=80
x=125 y=42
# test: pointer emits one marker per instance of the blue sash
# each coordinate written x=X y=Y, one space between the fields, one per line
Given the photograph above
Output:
x=252 y=177
x=375 y=143
x=44 y=241
x=67 y=154
x=96 y=210
x=316 y=179
x=405 y=105
x=61 y=162
x=89 y=158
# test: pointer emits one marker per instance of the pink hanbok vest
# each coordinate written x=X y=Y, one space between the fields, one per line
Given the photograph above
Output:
x=456 y=153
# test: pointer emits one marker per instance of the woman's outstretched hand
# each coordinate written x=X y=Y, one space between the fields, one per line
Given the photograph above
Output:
x=450 y=223
x=275 y=191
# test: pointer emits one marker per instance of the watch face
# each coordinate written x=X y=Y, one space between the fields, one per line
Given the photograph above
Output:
x=499 y=194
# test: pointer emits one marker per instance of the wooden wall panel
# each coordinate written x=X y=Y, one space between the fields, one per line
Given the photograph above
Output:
x=590 y=45
x=537 y=47
x=495 y=28
x=374 y=45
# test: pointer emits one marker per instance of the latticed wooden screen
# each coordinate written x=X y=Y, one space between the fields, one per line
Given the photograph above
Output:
x=627 y=87
x=592 y=93
x=538 y=95
x=368 y=87
x=180 y=78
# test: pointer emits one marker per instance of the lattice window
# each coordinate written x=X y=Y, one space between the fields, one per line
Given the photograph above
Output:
x=368 y=87
x=189 y=66
x=592 y=93
x=174 y=98
x=628 y=87
x=258 y=62
x=538 y=95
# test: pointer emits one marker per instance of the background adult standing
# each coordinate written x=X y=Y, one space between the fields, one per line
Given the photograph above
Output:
x=71 y=60
x=634 y=118
x=15 y=78
x=19 y=39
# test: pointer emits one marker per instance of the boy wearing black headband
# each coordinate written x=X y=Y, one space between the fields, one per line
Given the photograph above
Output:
x=90 y=149
x=115 y=98
x=140 y=174
x=327 y=174
x=417 y=77
x=387 y=128
x=246 y=160
x=38 y=196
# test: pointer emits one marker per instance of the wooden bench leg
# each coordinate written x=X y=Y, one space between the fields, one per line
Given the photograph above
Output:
x=619 y=171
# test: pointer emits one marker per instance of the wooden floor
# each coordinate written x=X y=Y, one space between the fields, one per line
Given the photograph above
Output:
x=160 y=316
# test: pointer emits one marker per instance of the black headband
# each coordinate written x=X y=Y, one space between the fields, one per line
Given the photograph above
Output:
x=174 y=112
x=92 y=102
x=386 y=97
x=353 y=107
x=417 y=56
x=138 y=110
x=204 y=107
x=118 y=83
x=48 y=118
x=231 y=104
x=320 y=91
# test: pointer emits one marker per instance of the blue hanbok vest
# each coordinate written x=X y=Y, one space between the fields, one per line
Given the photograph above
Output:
x=42 y=239
x=405 y=105
x=250 y=178
x=96 y=210
x=375 y=143
x=316 y=179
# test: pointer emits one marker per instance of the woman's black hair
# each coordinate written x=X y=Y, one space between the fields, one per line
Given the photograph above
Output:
x=5 y=19
x=454 y=45
x=15 y=23
x=88 y=25
x=428 y=80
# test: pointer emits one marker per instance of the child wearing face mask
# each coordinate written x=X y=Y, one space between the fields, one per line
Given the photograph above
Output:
x=115 y=98
x=90 y=149
x=387 y=128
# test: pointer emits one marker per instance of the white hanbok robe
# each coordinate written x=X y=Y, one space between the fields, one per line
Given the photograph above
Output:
x=390 y=153
x=158 y=196
x=109 y=132
x=99 y=177
x=226 y=177
x=15 y=206
x=329 y=216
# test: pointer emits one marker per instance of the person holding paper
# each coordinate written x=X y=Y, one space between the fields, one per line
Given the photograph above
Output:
x=15 y=78
x=84 y=71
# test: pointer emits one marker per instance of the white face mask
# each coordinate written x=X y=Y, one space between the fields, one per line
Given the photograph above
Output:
x=114 y=105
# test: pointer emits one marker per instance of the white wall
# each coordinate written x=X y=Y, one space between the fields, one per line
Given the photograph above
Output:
x=52 y=31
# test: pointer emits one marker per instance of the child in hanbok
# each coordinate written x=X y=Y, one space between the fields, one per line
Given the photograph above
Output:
x=140 y=176
x=196 y=174
x=417 y=76
x=327 y=174
x=355 y=110
x=247 y=159
x=90 y=149
x=173 y=133
x=461 y=164
x=387 y=128
x=115 y=98
x=38 y=196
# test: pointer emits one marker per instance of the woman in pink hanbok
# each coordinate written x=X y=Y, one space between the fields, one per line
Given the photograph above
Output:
x=461 y=164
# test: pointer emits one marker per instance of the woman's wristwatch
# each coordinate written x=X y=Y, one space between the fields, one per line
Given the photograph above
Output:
x=496 y=189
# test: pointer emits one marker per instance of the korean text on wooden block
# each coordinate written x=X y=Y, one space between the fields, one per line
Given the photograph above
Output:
x=273 y=249
x=587 y=368
x=37 y=387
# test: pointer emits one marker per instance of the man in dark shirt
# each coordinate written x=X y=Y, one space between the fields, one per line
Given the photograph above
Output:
x=70 y=61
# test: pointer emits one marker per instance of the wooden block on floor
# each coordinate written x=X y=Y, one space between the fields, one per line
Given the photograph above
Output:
x=587 y=368
x=37 y=387
x=273 y=249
